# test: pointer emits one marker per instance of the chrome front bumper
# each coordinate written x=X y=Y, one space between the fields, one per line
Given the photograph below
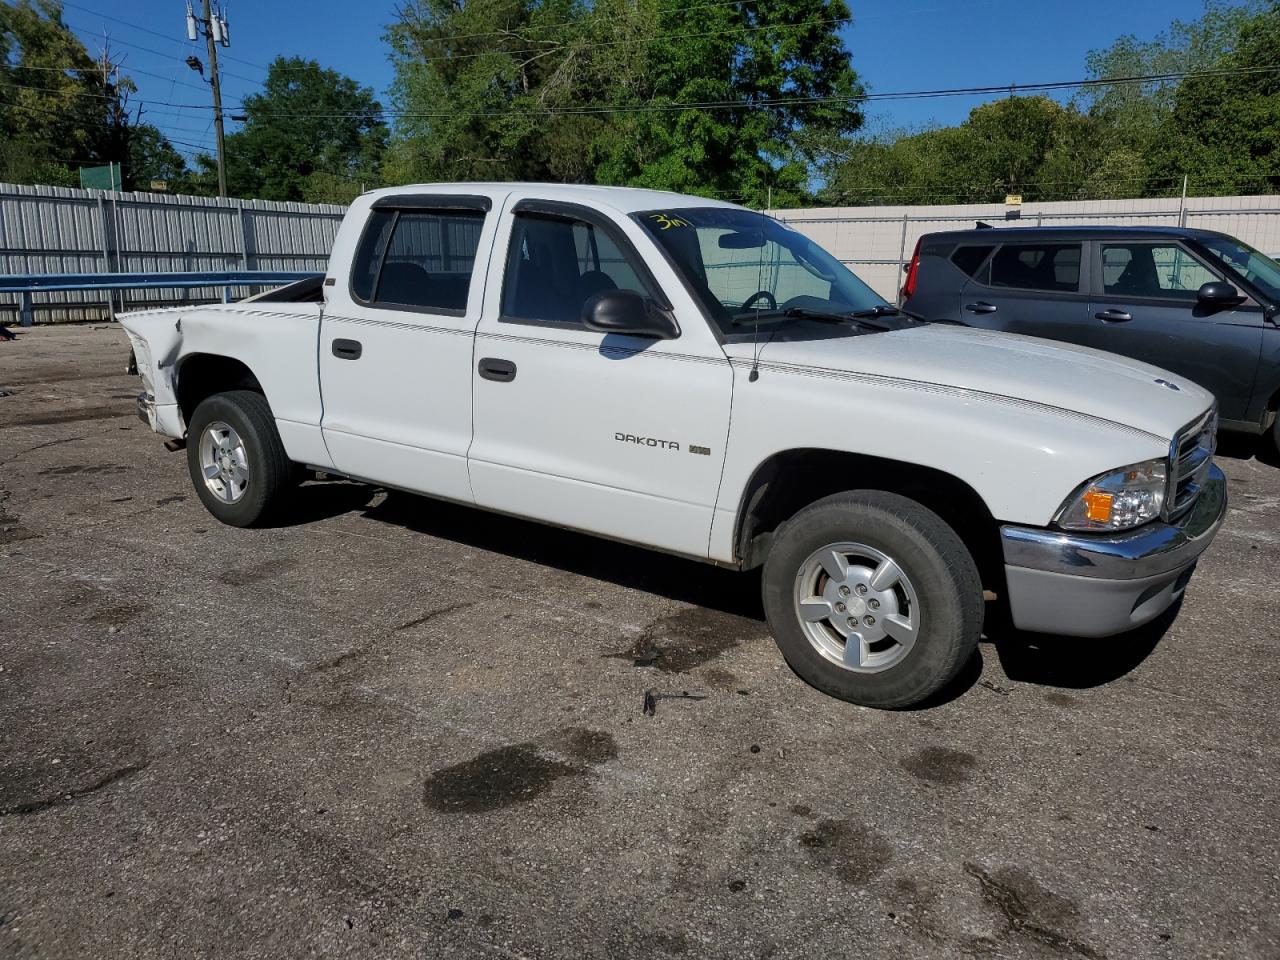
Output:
x=1093 y=586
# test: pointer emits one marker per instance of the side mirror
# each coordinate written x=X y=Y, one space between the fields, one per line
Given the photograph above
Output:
x=1219 y=293
x=630 y=313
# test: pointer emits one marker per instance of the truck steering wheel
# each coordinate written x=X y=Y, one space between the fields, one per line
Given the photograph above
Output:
x=760 y=295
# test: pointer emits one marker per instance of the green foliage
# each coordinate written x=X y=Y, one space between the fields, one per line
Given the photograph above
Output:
x=61 y=110
x=1026 y=145
x=567 y=91
x=1113 y=140
x=312 y=134
x=53 y=105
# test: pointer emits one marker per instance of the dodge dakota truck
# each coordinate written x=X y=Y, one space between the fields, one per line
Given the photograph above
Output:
x=698 y=378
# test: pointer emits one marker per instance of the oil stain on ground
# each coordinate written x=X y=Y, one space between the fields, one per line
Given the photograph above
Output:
x=688 y=639
x=940 y=765
x=516 y=774
x=853 y=850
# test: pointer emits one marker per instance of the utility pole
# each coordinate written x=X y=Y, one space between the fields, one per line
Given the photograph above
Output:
x=215 y=32
x=217 y=98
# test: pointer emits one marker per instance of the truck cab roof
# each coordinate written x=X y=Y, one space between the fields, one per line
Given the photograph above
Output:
x=622 y=199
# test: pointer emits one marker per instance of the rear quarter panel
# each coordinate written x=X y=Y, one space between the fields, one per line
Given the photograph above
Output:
x=277 y=342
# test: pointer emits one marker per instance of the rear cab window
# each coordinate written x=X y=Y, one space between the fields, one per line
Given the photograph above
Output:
x=419 y=260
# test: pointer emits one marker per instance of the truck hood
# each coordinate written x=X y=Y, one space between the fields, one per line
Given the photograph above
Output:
x=1060 y=375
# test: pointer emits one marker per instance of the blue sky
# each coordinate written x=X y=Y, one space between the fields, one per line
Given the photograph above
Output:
x=897 y=45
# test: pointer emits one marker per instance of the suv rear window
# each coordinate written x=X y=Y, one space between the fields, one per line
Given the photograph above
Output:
x=1037 y=266
x=970 y=258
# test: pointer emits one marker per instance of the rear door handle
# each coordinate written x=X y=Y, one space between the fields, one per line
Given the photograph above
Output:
x=500 y=371
x=1113 y=316
x=981 y=307
x=347 y=349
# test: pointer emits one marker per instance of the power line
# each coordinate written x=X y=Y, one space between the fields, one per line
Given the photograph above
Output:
x=167 y=56
x=154 y=33
x=763 y=103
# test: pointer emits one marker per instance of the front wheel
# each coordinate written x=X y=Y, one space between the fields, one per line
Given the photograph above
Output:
x=238 y=464
x=872 y=598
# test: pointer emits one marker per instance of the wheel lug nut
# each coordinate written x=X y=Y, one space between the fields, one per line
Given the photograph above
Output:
x=870 y=621
x=862 y=588
x=840 y=608
x=844 y=591
x=873 y=604
x=852 y=621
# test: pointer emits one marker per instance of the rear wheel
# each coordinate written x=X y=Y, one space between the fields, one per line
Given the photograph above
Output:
x=238 y=464
x=872 y=598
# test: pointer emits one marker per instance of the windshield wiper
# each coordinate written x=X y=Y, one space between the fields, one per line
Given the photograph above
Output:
x=862 y=318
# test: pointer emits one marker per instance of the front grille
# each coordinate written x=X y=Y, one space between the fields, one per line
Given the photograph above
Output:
x=1190 y=458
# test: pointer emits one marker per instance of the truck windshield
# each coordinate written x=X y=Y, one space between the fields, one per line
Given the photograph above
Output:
x=1259 y=269
x=744 y=266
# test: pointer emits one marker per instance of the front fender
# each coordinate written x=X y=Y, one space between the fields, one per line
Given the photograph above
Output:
x=1022 y=459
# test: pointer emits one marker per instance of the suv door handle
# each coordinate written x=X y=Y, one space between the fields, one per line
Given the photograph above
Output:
x=347 y=349
x=500 y=371
x=981 y=307
x=1113 y=316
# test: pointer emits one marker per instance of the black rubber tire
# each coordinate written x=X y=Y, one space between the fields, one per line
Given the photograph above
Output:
x=933 y=557
x=270 y=470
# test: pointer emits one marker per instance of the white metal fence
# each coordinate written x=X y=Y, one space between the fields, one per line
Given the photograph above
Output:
x=63 y=230
x=877 y=241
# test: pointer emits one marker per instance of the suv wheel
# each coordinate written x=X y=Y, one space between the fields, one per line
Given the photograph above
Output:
x=873 y=598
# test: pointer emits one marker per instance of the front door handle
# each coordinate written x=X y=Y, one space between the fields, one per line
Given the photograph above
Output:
x=347 y=349
x=981 y=307
x=1113 y=316
x=500 y=371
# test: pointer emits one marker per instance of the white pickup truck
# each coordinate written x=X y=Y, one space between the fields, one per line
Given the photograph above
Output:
x=698 y=378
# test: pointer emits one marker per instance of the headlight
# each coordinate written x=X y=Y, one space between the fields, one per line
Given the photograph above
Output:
x=1118 y=500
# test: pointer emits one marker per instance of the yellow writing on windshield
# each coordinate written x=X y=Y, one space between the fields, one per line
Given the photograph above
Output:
x=667 y=222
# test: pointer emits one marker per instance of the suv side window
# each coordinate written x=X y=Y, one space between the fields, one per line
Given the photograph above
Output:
x=417 y=259
x=1037 y=266
x=1152 y=270
x=969 y=258
x=556 y=264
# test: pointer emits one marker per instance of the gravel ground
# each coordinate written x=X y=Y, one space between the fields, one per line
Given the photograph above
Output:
x=395 y=728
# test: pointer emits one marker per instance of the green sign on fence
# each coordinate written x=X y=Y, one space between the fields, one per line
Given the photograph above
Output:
x=110 y=177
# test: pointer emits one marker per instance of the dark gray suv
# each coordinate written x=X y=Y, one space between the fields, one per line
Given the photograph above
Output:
x=1198 y=303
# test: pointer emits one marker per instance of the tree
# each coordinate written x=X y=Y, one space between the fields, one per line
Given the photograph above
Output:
x=153 y=157
x=1223 y=131
x=1136 y=120
x=53 y=105
x=60 y=109
x=312 y=134
x=568 y=91
x=1027 y=145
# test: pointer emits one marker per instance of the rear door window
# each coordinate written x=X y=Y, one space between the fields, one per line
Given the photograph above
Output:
x=1037 y=266
x=418 y=260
